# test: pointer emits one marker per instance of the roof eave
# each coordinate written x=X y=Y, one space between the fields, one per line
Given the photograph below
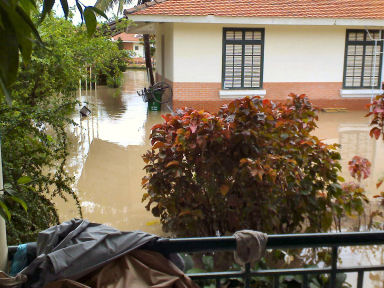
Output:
x=257 y=20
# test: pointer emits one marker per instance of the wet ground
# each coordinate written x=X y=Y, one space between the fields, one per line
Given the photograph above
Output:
x=106 y=154
x=106 y=160
x=107 y=146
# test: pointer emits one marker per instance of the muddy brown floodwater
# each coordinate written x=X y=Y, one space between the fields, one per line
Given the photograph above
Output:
x=106 y=151
x=105 y=158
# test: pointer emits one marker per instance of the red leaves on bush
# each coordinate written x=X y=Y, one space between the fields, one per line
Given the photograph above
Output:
x=375 y=132
x=359 y=167
x=172 y=163
x=378 y=184
x=254 y=164
x=377 y=113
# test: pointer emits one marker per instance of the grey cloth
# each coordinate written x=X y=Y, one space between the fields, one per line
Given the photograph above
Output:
x=75 y=248
x=250 y=246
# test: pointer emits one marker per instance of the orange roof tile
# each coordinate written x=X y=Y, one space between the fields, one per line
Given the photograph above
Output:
x=357 y=9
x=127 y=37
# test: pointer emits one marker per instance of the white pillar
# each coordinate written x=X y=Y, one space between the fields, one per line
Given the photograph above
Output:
x=86 y=80
x=3 y=236
x=90 y=78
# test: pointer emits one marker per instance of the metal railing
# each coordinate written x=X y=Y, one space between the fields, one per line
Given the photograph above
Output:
x=287 y=241
x=293 y=241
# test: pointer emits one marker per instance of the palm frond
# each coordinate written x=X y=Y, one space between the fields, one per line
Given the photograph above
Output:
x=105 y=5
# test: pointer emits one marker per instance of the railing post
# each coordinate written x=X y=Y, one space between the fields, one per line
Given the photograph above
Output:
x=3 y=245
x=305 y=281
x=360 y=278
x=334 y=266
x=247 y=271
x=218 y=283
x=276 y=283
x=3 y=234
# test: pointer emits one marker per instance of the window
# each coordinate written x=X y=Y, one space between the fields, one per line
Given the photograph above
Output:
x=363 y=60
x=136 y=48
x=243 y=58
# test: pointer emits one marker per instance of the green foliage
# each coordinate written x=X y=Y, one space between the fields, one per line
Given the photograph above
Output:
x=78 y=51
x=350 y=204
x=253 y=165
x=285 y=281
x=34 y=146
x=120 y=44
x=377 y=121
x=18 y=33
x=105 y=5
x=33 y=129
x=315 y=281
x=359 y=168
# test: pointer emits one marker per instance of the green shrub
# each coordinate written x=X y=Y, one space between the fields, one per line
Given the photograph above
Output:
x=254 y=164
x=377 y=117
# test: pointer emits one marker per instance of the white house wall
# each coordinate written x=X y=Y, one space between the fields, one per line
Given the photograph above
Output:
x=298 y=59
x=304 y=54
x=292 y=53
x=198 y=52
x=140 y=51
x=164 y=31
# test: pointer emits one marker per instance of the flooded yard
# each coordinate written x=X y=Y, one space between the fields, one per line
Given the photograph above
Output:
x=106 y=151
x=105 y=158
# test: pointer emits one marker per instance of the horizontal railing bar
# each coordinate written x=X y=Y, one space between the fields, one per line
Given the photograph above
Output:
x=294 y=271
x=282 y=241
x=274 y=241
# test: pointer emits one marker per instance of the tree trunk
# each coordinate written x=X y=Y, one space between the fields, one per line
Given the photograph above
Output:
x=148 y=60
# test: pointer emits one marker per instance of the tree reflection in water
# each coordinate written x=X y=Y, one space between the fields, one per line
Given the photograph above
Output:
x=106 y=160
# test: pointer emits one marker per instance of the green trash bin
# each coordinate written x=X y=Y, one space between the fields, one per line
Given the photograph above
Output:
x=155 y=104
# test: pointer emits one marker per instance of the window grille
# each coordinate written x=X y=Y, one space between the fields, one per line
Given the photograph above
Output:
x=363 y=59
x=243 y=58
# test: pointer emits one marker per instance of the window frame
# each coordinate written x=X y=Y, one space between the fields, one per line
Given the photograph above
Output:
x=364 y=43
x=243 y=42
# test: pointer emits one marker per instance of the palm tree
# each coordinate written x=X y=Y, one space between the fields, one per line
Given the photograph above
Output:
x=105 y=5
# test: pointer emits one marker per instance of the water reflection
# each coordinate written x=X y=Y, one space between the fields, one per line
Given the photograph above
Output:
x=351 y=131
x=105 y=157
x=106 y=151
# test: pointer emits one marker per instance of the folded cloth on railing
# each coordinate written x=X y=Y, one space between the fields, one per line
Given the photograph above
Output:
x=77 y=247
x=250 y=246
x=138 y=269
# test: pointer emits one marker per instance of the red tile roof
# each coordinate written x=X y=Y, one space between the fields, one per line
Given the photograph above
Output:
x=357 y=9
x=127 y=37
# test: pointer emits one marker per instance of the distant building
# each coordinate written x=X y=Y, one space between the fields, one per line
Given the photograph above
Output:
x=131 y=42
